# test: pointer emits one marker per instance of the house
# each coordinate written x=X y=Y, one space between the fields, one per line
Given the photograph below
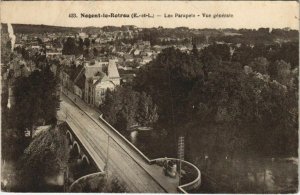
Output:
x=127 y=75
x=157 y=48
x=35 y=47
x=99 y=78
x=83 y=35
x=24 y=37
x=53 y=53
x=97 y=40
x=91 y=80
x=98 y=85
x=18 y=45
x=128 y=58
x=148 y=52
x=136 y=52
x=146 y=60
x=45 y=39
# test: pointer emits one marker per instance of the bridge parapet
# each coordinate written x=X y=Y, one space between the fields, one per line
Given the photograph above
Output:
x=76 y=186
x=195 y=183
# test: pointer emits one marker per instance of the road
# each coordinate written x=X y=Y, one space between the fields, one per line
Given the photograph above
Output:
x=124 y=162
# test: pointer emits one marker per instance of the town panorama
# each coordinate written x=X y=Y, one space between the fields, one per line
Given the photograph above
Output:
x=149 y=110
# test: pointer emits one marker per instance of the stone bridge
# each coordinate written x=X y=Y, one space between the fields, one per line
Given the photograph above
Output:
x=94 y=141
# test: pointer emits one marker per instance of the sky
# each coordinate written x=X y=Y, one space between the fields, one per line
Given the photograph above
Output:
x=246 y=14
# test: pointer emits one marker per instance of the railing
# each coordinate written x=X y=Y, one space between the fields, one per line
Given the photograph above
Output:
x=79 y=180
x=188 y=186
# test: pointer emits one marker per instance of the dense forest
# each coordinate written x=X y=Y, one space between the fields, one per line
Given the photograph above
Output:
x=225 y=103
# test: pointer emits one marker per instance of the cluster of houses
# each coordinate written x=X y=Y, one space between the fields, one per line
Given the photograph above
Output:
x=106 y=42
x=136 y=55
x=89 y=79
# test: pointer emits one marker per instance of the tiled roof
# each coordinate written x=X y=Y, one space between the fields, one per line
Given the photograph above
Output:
x=90 y=71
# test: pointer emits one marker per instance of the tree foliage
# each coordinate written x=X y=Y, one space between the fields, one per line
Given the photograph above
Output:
x=36 y=99
x=250 y=107
x=167 y=79
x=125 y=107
x=46 y=156
x=78 y=46
x=101 y=183
x=222 y=105
x=5 y=49
x=70 y=47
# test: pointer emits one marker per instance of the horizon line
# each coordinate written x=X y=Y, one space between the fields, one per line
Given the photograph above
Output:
x=191 y=28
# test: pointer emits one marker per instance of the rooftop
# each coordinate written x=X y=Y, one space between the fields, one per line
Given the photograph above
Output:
x=112 y=69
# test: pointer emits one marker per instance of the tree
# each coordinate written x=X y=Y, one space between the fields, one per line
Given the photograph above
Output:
x=100 y=183
x=168 y=79
x=281 y=72
x=260 y=65
x=195 y=50
x=289 y=52
x=80 y=45
x=110 y=107
x=36 y=100
x=25 y=54
x=147 y=110
x=244 y=110
x=46 y=157
x=244 y=54
x=69 y=47
x=87 y=42
x=5 y=49
x=220 y=51
x=95 y=52
x=125 y=107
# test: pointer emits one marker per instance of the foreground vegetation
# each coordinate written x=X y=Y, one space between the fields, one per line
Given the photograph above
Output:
x=44 y=162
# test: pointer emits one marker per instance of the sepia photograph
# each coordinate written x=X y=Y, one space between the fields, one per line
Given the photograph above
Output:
x=150 y=97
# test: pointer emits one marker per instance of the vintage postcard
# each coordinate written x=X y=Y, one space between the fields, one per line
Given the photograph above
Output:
x=149 y=97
